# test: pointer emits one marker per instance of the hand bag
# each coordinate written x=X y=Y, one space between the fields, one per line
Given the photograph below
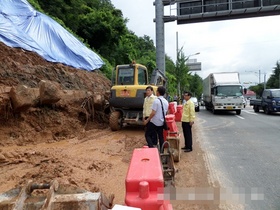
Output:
x=165 y=126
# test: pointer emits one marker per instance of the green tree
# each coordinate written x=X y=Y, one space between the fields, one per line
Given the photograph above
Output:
x=107 y=68
x=97 y=21
x=274 y=80
x=149 y=61
x=258 y=89
x=125 y=52
x=36 y=5
x=182 y=73
x=145 y=44
x=170 y=74
x=103 y=28
x=196 y=85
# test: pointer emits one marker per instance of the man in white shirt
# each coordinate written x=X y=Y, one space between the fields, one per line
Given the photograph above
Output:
x=154 y=123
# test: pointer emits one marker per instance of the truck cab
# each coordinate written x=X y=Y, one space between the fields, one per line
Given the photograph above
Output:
x=227 y=97
x=222 y=91
x=269 y=102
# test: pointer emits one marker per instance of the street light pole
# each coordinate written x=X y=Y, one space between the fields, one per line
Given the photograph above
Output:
x=179 y=83
x=259 y=72
x=192 y=55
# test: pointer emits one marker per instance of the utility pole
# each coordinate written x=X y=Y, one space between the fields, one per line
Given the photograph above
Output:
x=160 y=48
x=264 y=82
x=259 y=72
x=160 y=19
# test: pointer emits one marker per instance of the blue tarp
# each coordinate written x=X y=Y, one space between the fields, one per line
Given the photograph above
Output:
x=24 y=27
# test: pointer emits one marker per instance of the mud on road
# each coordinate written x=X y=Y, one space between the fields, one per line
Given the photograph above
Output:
x=97 y=161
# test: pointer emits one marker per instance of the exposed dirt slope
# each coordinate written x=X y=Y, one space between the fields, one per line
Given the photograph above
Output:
x=61 y=142
x=46 y=123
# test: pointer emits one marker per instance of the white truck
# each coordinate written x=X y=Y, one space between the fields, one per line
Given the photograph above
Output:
x=223 y=92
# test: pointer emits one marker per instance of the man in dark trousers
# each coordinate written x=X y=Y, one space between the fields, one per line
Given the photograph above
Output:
x=147 y=109
x=155 y=121
x=188 y=117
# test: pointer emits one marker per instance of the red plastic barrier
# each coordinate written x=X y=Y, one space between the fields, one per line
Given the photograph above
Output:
x=144 y=181
x=172 y=107
x=173 y=129
x=178 y=114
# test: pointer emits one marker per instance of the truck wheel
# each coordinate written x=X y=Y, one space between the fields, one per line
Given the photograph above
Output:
x=266 y=111
x=256 y=109
x=115 y=121
x=238 y=112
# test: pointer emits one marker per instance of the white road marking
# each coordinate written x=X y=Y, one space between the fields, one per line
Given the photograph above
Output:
x=250 y=112
x=240 y=117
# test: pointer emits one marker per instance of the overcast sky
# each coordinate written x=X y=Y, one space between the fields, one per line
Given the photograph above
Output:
x=244 y=45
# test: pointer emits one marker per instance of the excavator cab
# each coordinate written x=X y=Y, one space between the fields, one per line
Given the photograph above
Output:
x=128 y=93
x=132 y=74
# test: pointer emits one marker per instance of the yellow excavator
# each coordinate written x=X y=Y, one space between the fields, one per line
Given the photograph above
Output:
x=128 y=93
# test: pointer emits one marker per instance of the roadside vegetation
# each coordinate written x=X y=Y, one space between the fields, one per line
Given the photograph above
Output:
x=272 y=82
x=102 y=27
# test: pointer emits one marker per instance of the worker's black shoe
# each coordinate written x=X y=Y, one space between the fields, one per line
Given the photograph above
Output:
x=184 y=148
x=188 y=150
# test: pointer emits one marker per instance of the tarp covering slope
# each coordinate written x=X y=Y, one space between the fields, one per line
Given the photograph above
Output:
x=22 y=26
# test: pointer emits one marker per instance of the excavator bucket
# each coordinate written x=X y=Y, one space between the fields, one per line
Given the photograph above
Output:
x=53 y=196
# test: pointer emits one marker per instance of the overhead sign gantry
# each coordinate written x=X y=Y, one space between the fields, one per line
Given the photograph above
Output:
x=195 y=11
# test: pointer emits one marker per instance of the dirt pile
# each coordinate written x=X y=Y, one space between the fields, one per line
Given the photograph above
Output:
x=70 y=140
x=81 y=107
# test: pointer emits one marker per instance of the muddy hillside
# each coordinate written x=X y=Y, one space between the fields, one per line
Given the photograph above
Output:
x=44 y=101
x=53 y=127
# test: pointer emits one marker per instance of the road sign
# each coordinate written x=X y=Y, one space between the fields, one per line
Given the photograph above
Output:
x=194 y=66
x=193 y=11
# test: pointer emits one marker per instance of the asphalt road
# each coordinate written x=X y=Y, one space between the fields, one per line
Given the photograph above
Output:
x=243 y=156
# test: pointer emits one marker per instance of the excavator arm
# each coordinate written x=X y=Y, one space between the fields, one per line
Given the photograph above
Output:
x=158 y=78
